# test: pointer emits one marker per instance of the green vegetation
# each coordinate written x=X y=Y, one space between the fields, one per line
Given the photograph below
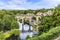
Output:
x=8 y=24
x=8 y=34
x=48 y=27
x=33 y=18
x=26 y=21
x=48 y=22
x=50 y=35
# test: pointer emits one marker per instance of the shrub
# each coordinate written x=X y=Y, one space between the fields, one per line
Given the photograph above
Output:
x=8 y=34
x=51 y=34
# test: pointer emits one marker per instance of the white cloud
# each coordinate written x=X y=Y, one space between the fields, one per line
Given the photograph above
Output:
x=23 y=4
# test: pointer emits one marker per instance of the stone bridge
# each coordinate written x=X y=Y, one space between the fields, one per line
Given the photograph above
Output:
x=32 y=18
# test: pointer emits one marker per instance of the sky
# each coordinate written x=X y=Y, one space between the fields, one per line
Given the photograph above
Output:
x=28 y=4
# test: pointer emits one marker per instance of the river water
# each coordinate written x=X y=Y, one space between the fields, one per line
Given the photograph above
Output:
x=23 y=35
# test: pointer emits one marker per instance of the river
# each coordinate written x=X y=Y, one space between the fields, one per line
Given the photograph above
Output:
x=23 y=35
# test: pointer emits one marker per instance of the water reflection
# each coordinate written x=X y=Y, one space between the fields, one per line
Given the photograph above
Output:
x=23 y=35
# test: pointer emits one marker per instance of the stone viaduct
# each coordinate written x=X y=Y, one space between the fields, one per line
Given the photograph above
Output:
x=29 y=16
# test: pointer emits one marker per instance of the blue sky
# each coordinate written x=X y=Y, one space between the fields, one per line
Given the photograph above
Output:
x=28 y=4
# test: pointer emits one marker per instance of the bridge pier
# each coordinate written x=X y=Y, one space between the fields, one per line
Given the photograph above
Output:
x=22 y=25
x=30 y=21
x=29 y=28
x=37 y=19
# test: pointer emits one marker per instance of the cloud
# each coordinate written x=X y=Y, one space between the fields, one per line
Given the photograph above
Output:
x=25 y=4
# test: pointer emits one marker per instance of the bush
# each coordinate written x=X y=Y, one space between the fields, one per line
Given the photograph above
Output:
x=1 y=36
x=8 y=34
x=27 y=37
x=51 y=34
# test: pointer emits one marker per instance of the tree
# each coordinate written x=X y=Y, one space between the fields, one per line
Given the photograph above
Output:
x=50 y=21
x=14 y=25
